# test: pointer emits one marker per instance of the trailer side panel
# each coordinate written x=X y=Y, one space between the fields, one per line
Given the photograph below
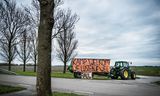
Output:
x=91 y=65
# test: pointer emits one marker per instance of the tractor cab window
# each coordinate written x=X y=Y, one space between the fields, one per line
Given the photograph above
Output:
x=121 y=64
x=118 y=64
x=125 y=64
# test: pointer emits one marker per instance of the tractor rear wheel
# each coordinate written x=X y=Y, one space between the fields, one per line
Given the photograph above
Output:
x=124 y=74
x=113 y=74
x=133 y=75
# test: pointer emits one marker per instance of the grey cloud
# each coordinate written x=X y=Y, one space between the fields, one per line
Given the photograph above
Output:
x=126 y=29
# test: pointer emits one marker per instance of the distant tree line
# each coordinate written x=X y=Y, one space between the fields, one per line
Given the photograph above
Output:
x=19 y=33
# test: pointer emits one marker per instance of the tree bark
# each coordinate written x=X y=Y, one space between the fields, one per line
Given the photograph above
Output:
x=65 y=52
x=64 y=68
x=44 y=48
x=24 y=65
x=24 y=47
x=9 y=65
x=35 y=62
x=9 y=59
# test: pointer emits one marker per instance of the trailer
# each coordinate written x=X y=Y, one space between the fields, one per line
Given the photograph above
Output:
x=80 y=66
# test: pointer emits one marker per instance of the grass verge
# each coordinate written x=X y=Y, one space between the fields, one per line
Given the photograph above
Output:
x=64 y=94
x=61 y=75
x=54 y=74
x=156 y=82
x=27 y=73
x=7 y=89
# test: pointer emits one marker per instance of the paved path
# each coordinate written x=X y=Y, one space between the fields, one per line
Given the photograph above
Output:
x=138 y=87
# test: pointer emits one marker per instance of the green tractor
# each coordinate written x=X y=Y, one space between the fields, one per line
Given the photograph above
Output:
x=122 y=69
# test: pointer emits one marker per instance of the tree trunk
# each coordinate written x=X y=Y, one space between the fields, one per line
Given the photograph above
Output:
x=44 y=48
x=9 y=59
x=9 y=65
x=24 y=65
x=65 y=52
x=24 y=46
x=35 y=65
x=64 y=68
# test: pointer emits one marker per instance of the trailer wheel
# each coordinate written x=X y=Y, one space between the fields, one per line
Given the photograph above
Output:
x=133 y=75
x=124 y=74
x=92 y=75
x=77 y=74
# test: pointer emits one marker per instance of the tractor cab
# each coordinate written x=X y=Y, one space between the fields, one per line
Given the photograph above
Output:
x=121 y=64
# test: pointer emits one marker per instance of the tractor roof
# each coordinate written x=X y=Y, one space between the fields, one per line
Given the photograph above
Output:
x=122 y=61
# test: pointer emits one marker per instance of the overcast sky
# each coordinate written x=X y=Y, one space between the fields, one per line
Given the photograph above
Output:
x=117 y=29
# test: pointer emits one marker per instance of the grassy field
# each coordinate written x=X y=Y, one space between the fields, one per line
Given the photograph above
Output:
x=31 y=68
x=7 y=89
x=147 y=70
x=54 y=74
x=57 y=71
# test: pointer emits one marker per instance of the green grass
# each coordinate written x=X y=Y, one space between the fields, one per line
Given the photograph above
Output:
x=146 y=70
x=27 y=73
x=8 y=89
x=98 y=77
x=61 y=75
x=64 y=94
x=54 y=74
x=140 y=70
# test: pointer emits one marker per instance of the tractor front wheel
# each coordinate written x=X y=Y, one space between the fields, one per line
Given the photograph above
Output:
x=133 y=75
x=124 y=74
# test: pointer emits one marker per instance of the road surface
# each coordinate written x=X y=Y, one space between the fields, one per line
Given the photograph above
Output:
x=138 y=87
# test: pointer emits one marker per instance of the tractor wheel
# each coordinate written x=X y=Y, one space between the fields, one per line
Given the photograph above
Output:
x=124 y=74
x=113 y=74
x=133 y=75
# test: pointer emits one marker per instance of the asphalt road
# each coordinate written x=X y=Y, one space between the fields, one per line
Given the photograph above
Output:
x=138 y=87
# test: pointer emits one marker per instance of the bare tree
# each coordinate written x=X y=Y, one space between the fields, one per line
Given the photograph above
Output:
x=34 y=46
x=34 y=13
x=24 y=48
x=66 y=39
x=12 y=22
